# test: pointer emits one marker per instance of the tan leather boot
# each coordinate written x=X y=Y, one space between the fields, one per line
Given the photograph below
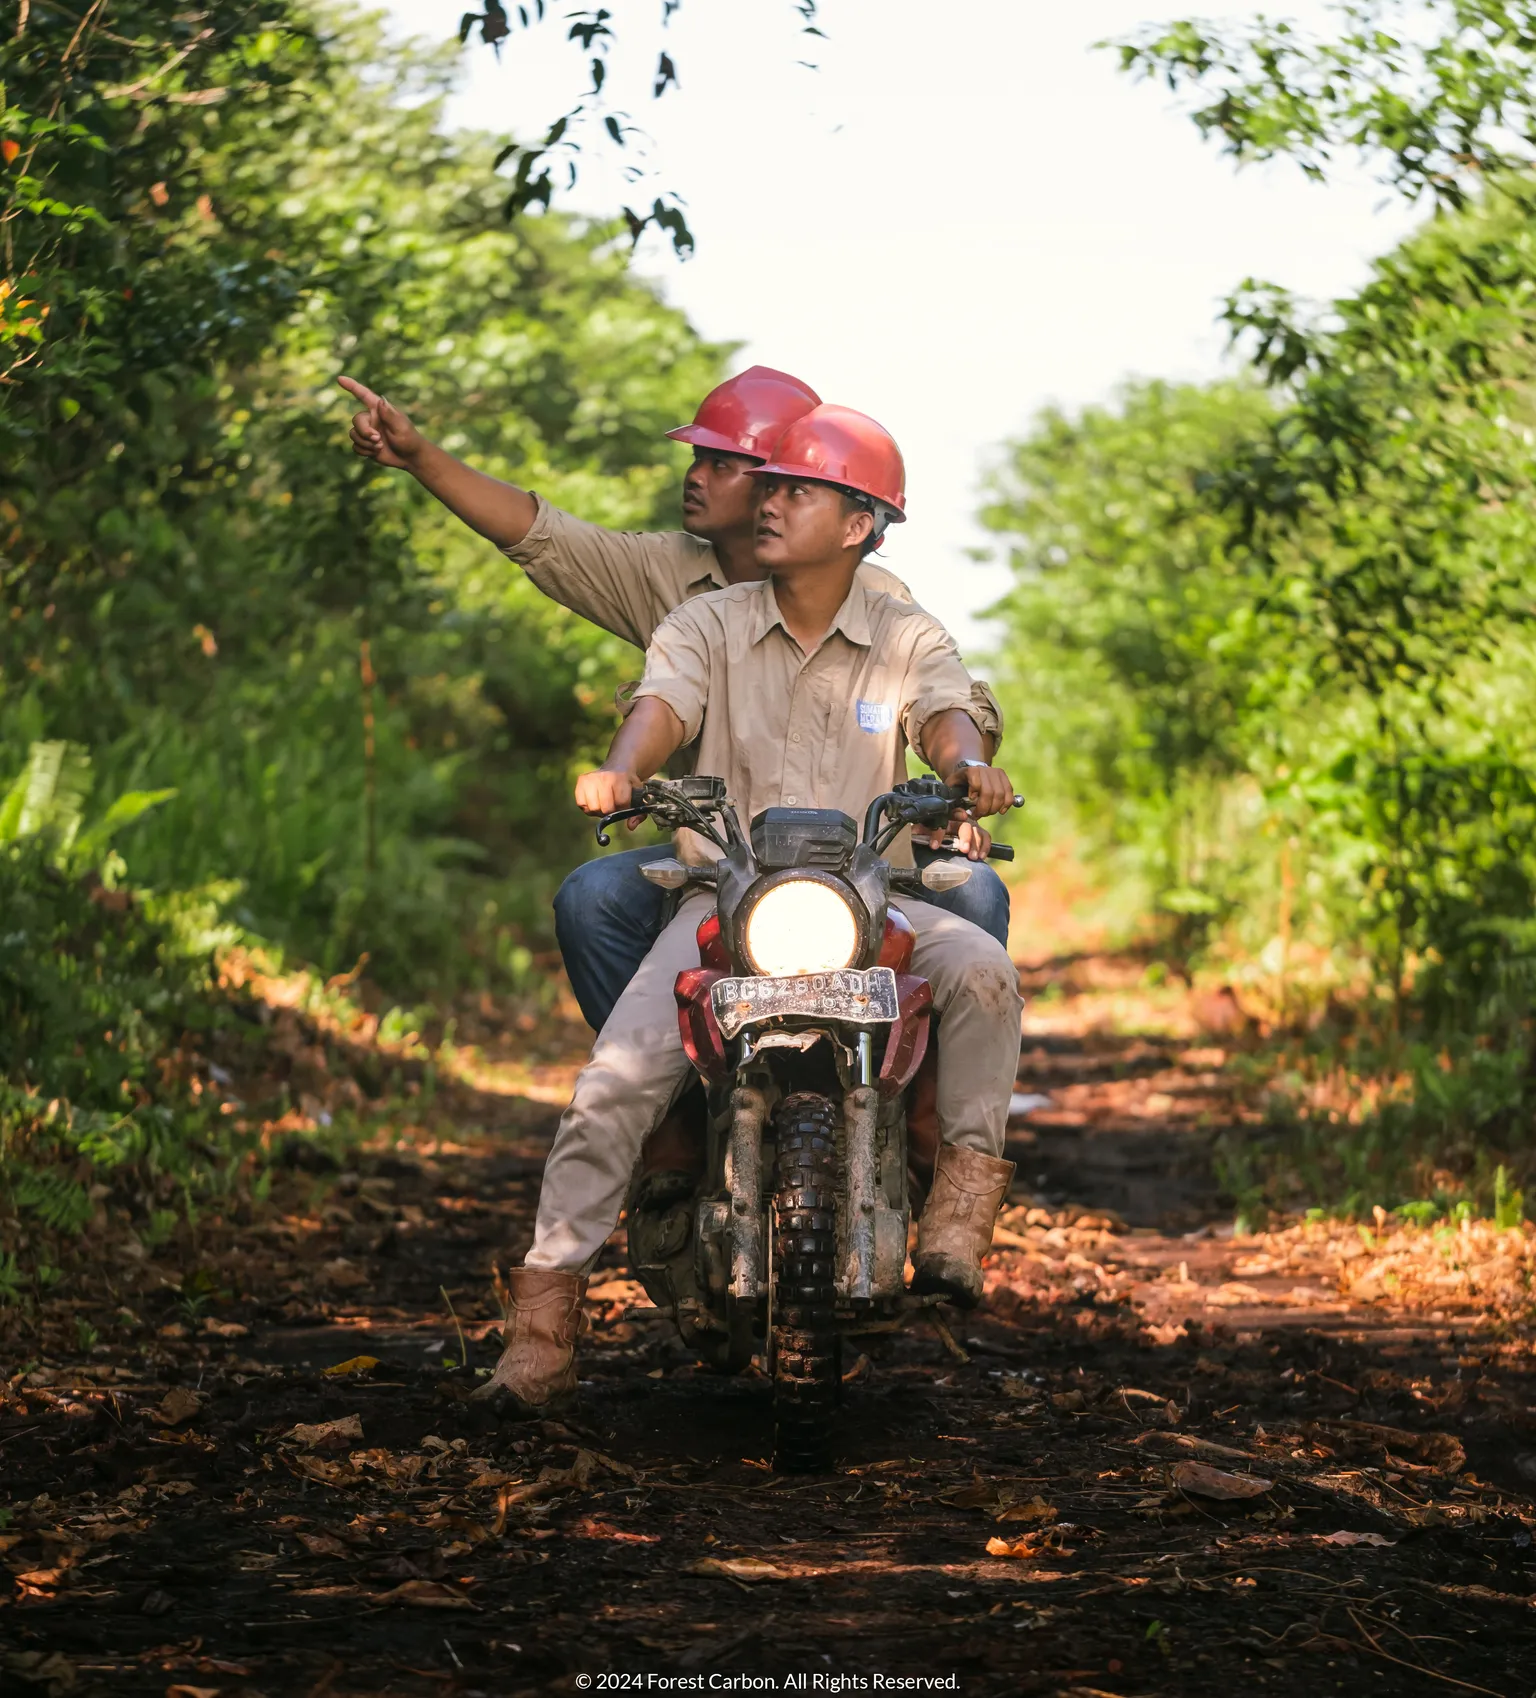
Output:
x=955 y=1230
x=537 y=1371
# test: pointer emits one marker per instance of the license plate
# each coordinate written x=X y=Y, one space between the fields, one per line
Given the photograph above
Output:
x=861 y=998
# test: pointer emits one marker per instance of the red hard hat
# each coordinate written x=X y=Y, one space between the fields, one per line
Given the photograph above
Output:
x=749 y=413
x=838 y=445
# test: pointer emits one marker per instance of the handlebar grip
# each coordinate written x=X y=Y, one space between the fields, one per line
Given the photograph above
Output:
x=1000 y=852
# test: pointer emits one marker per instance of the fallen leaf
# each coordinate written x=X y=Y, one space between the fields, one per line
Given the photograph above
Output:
x=49 y=1669
x=739 y=1568
x=352 y=1365
x=327 y=1435
x=387 y=1463
x=44 y=1579
x=1233 y=1295
x=1067 y=1402
x=225 y=1329
x=328 y=1473
x=183 y=1691
x=1162 y=1440
x=1203 y=1482
x=591 y=1528
x=179 y=1404
x=1443 y=1452
x=577 y=1477
x=321 y=1544
x=1032 y=1509
x=1043 y=1542
x=428 y=1594
x=1343 y=1538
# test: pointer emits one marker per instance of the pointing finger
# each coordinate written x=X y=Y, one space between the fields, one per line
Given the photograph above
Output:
x=360 y=390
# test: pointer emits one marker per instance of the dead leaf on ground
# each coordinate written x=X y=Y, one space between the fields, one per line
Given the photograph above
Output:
x=748 y=1569
x=322 y=1544
x=1345 y=1538
x=387 y=1463
x=51 y=1670
x=327 y=1435
x=584 y=1465
x=1031 y=1509
x=428 y=1594
x=1234 y=1295
x=1045 y=1541
x=179 y=1404
x=328 y=1473
x=181 y=1690
x=589 y=1527
x=1203 y=1482
x=1161 y=1440
x=357 y=1365
x=225 y=1329
x=1443 y=1452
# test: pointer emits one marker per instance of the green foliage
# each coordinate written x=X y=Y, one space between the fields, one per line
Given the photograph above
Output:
x=1441 y=92
x=1275 y=648
x=206 y=588
x=95 y=991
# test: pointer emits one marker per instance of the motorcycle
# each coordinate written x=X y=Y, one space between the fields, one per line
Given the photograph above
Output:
x=807 y=1031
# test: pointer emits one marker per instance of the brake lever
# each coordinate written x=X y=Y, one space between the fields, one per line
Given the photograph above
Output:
x=613 y=819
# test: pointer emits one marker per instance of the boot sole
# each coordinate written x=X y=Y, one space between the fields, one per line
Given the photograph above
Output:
x=928 y=1282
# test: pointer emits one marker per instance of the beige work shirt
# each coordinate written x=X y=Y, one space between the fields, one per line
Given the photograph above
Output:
x=783 y=728
x=629 y=581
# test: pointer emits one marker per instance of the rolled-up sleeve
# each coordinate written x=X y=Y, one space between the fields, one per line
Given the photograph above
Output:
x=987 y=711
x=937 y=681
x=621 y=580
x=678 y=668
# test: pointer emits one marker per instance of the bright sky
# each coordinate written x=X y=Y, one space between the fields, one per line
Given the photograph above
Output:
x=964 y=214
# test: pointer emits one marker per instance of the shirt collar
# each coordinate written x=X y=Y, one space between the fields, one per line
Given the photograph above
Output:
x=851 y=619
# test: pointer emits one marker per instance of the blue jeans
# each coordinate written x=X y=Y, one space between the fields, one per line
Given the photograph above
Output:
x=607 y=917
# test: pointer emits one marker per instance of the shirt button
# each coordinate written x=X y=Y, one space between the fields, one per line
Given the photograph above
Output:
x=794 y=736
x=791 y=800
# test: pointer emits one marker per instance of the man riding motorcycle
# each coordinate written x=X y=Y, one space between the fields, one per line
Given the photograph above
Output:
x=768 y=676
x=606 y=915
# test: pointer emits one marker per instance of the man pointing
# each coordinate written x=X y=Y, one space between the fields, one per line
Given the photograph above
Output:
x=606 y=915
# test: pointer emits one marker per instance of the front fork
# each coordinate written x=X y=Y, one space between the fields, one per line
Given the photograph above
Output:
x=862 y=1274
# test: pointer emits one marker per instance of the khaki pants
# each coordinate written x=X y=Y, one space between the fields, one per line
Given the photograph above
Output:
x=638 y=1067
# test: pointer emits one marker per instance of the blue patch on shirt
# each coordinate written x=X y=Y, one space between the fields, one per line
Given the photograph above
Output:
x=875 y=716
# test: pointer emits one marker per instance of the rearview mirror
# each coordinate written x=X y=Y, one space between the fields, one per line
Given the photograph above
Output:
x=670 y=874
x=942 y=875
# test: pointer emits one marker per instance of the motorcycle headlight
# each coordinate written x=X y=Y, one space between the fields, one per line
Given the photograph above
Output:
x=801 y=926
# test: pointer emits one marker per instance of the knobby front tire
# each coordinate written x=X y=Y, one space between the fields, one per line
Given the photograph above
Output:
x=806 y=1382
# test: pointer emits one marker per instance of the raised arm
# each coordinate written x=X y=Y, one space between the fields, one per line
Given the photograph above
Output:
x=640 y=748
x=500 y=512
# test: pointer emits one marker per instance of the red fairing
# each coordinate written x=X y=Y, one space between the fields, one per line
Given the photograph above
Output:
x=898 y=943
x=711 y=945
x=696 y=1020
x=907 y=1043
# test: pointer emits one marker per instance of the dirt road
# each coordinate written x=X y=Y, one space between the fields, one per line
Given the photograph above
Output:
x=1160 y=1459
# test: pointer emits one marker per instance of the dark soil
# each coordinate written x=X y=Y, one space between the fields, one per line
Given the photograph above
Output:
x=167 y=1532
